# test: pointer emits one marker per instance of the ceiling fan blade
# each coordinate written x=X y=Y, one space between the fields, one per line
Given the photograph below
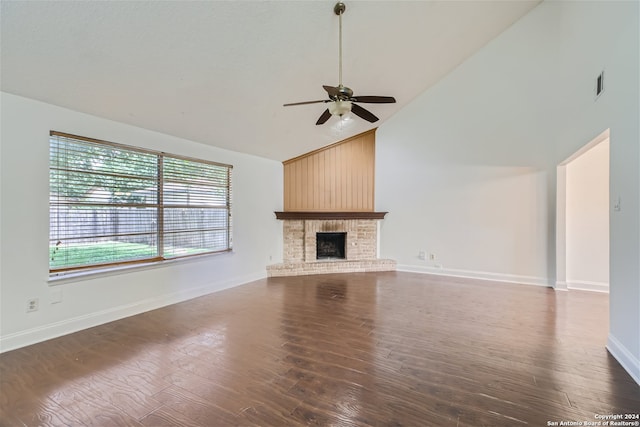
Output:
x=332 y=91
x=363 y=113
x=305 y=102
x=324 y=117
x=374 y=99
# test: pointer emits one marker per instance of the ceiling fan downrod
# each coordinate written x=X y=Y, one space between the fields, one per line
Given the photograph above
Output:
x=339 y=9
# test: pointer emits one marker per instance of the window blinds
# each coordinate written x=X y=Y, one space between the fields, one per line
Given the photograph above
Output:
x=112 y=204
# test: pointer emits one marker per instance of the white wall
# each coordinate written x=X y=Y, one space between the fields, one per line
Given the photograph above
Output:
x=257 y=193
x=468 y=169
x=587 y=220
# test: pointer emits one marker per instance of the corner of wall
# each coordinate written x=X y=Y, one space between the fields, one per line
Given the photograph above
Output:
x=624 y=356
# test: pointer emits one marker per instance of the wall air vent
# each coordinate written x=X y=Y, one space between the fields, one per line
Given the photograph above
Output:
x=599 y=84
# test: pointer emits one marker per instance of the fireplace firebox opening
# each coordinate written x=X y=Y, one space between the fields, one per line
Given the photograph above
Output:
x=330 y=245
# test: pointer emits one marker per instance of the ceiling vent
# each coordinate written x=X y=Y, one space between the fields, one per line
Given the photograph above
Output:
x=599 y=84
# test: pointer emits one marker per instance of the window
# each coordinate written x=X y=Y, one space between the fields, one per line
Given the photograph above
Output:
x=111 y=204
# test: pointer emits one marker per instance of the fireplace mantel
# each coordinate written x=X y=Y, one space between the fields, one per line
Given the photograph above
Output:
x=329 y=215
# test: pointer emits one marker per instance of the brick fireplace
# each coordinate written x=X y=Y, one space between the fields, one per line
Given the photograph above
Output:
x=301 y=229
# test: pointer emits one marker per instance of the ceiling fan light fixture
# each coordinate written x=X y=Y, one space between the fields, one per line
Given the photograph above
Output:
x=339 y=108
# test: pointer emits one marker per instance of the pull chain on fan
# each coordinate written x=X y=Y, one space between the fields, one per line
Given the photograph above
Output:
x=341 y=99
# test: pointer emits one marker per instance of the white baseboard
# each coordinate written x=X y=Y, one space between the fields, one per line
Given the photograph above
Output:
x=629 y=362
x=53 y=330
x=588 y=286
x=481 y=275
x=561 y=286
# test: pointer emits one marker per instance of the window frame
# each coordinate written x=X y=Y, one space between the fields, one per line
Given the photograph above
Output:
x=160 y=207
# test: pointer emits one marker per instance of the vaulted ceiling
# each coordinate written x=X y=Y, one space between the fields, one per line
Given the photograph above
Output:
x=218 y=72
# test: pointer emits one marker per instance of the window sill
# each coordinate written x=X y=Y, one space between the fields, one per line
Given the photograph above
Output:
x=77 y=276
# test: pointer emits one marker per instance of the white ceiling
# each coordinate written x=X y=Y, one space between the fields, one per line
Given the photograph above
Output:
x=218 y=72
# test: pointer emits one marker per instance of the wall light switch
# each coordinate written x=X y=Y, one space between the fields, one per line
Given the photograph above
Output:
x=617 y=206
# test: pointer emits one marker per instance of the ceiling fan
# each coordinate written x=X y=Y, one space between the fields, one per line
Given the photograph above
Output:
x=341 y=99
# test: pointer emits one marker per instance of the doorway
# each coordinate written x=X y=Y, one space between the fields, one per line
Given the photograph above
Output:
x=582 y=218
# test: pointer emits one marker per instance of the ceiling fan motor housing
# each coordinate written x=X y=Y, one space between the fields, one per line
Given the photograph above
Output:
x=344 y=93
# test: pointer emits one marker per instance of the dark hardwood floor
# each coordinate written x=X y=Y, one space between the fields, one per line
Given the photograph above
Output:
x=365 y=349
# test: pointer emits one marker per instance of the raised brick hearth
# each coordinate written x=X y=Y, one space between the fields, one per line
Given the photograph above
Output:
x=361 y=247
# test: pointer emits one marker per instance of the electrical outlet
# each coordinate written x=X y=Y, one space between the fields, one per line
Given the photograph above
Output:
x=32 y=305
x=422 y=255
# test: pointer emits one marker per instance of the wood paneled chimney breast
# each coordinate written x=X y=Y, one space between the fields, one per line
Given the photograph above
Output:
x=336 y=178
